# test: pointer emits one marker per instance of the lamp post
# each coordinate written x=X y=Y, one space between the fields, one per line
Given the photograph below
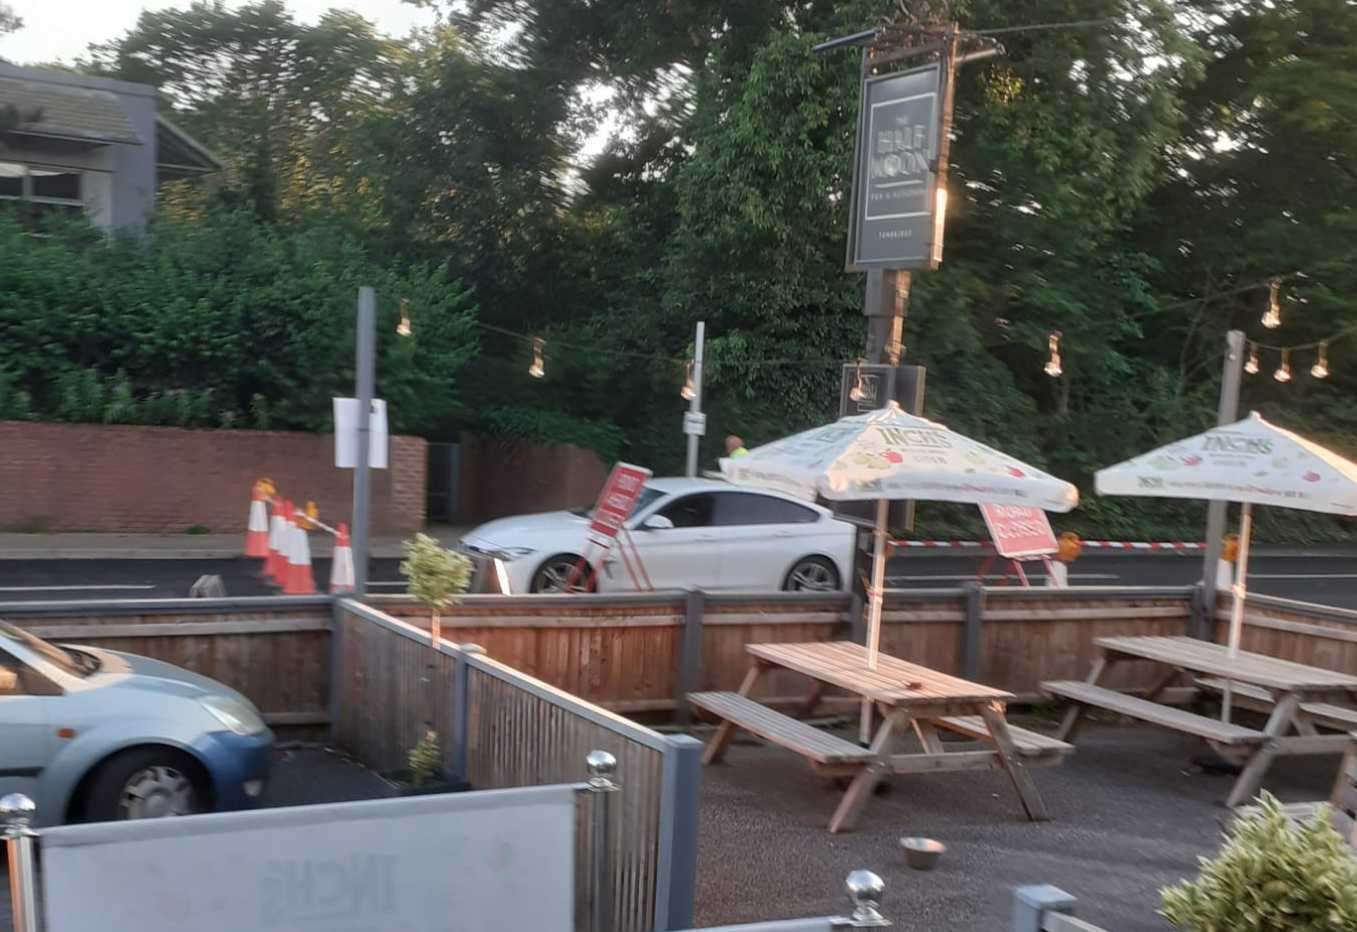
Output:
x=366 y=371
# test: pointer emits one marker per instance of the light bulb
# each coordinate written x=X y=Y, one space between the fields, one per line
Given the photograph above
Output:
x=403 y=328
x=857 y=392
x=689 y=389
x=1283 y=373
x=538 y=368
x=1053 y=367
x=1320 y=369
x=1251 y=367
x=1272 y=318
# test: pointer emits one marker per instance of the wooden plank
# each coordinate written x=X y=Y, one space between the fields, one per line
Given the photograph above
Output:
x=1165 y=716
x=1012 y=762
x=943 y=762
x=1309 y=744
x=860 y=791
x=894 y=681
x=1297 y=627
x=1206 y=657
x=716 y=747
x=779 y=729
x=172 y=629
x=296 y=718
x=1028 y=743
x=1085 y=614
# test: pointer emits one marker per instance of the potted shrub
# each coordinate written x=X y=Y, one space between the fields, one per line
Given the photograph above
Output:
x=437 y=576
x=423 y=774
x=1271 y=875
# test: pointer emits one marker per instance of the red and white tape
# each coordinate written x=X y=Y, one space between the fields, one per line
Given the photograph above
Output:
x=1088 y=544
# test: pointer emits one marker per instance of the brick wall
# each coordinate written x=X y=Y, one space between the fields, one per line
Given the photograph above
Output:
x=86 y=477
x=501 y=476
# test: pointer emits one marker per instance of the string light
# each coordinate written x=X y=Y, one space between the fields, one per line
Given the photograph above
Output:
x=1053 y=368
x=689 y=387
x=1283 y=373
x=1251 y=367
x=1272 y=319
x=403 y=328
x=538 y=368
x=858 y=391
x=1320 y=369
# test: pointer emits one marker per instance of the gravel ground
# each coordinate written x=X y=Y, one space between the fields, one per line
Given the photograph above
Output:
x=300 y=776
x=1130 y=815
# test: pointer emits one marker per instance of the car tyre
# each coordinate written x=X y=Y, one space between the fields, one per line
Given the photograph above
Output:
x=145 y=783
x=555 y=571
x=812 y=574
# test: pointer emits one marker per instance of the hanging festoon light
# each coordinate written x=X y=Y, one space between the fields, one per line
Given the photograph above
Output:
x=1053 y=368
x=403 y=328
x=689 y=387
x=1283 y=373
x=1320 y=369
x=1272 y=317
x=539 y=366
x=858 y=391
x=1251 y=367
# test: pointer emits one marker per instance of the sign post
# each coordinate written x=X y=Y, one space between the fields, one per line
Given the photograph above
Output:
x=608 y=522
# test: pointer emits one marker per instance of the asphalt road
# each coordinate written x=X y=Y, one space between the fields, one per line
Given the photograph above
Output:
x=1330 y=580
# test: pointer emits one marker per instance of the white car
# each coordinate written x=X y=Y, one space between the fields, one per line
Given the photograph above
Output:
x=691 y=533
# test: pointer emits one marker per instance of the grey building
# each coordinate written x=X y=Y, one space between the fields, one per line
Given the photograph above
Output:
x=90 y=144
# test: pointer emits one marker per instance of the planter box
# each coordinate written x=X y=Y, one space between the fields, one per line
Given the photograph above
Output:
x=441 y=783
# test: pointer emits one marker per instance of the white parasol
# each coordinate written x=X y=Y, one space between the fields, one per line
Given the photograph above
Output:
x=889 y=454
x=1251 y=462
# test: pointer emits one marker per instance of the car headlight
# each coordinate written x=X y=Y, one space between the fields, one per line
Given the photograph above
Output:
x=509 y=554
x=238 y=717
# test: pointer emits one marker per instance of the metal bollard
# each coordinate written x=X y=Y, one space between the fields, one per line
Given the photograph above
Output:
x=16 y=818
x=602 y=767
x=864 y=889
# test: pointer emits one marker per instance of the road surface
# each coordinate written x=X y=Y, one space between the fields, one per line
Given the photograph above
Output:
x=1330 y=580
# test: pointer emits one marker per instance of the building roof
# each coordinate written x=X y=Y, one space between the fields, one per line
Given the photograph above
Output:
x=67 y=112
x=179 y=155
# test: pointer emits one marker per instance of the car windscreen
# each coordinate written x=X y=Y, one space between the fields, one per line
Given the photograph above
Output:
x=68 y=661
x=647 y=498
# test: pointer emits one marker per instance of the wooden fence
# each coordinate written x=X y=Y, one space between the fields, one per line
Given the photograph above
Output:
x=1317 y=635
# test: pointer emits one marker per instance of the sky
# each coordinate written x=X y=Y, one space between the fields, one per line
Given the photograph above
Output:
x=60 y=30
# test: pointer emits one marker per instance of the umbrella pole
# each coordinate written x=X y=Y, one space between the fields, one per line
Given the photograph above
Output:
x=874 y=609
x=1239 y=592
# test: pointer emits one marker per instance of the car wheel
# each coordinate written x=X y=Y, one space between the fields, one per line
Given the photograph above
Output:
x=555 y=572
x=144 y=783
x=812 y=574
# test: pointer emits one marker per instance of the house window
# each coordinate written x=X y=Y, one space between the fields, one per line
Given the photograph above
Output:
x=54 y=188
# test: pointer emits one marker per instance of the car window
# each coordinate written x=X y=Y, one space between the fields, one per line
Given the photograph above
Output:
x=9 y=676
x=736 y=508
x=68 y=661
x=689 y=511
x=643 y=501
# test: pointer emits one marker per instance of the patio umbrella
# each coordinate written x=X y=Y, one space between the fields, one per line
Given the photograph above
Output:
x=889 y=454
x=1251 y=462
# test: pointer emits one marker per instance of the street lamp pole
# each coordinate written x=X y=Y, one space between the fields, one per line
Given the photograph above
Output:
x=366 y=366
x=695 y=403
x=1226 y=413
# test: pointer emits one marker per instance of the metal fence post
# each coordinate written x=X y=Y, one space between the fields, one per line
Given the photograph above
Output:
x=690 y=654
x=459 y=746
x=864 y=890
x=676 y=871
x=971 y=644
x=16 y=818
x=1030 y=904
x=602 y=789
x=336 y=663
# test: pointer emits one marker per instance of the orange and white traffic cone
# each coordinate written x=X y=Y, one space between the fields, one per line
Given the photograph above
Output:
x=257 y=529
x=299 y=578
x=275 y=565
x=341 y=566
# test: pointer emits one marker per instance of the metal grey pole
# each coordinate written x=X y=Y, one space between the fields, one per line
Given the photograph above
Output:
x=1226 y=413
x=602 y=767
x=16 y=818
x=695 y=405
x=362 y=491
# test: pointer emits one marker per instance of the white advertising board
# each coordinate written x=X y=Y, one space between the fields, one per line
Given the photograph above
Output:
x=346 y=434
x=489 y=860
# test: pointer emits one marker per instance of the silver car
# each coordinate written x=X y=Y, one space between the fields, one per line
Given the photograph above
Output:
x=97 y=735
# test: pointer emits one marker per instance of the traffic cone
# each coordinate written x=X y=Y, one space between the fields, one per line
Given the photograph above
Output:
x=257 y=529
x=341 y=566
x=275 y=565
x=299 y=578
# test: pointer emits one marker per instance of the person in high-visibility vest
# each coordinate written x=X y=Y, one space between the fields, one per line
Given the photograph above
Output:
x=735 y=447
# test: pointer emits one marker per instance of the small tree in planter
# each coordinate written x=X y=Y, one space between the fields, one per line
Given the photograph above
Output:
x=437 y=576
x=424 y=774
x=1271 y=875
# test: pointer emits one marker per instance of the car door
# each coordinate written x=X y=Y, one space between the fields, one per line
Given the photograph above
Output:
x=761 y=536
x=27 y=742
x=685 y=556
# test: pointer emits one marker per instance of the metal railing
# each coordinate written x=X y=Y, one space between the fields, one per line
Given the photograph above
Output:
x=507 y=729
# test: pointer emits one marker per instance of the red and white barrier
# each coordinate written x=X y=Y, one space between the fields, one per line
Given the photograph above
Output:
x=1088 y=544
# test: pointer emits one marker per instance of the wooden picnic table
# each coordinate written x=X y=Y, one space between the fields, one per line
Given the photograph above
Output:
x=1295 y=696
x=907 y=696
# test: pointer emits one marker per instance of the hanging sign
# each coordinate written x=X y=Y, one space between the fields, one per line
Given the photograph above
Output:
x=1019 y=531
x=898 y=207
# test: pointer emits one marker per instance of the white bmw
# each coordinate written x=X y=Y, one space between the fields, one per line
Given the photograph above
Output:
x=690 y=533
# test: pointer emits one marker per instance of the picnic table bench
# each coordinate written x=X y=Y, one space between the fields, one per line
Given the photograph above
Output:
x=907 y=697
x=1294 y=695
